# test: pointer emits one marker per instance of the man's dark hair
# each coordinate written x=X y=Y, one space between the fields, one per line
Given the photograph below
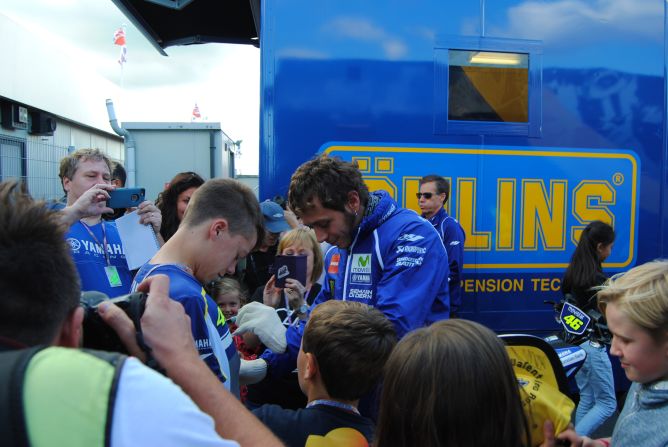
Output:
x=351 y=343
x=327 y=179
x=39 y=284
x=442 y=185
x=118 y=172
x=228 y=199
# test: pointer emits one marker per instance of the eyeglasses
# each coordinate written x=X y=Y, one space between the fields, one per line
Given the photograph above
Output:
x=427 y=195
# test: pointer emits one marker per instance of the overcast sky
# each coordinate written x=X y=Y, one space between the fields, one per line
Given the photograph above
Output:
x=222 y=79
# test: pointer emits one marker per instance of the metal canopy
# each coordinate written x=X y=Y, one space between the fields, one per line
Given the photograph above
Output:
x=184 y=22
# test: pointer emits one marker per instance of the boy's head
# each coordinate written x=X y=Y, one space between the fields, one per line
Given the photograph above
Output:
x=33 y=250
x=345 y=346
x=227 y=214
x=635 y=304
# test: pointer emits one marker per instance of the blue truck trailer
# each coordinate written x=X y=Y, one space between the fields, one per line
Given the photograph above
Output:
x=544 y=116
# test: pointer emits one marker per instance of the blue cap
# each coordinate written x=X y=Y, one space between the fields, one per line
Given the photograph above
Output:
x=274 y=219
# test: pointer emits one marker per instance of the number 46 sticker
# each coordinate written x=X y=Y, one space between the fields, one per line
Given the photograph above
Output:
x=573 y=319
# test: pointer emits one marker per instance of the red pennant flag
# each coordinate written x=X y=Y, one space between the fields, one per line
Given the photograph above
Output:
x=119 y=37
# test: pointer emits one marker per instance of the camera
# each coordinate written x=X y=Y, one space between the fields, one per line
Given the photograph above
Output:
x=96 y=333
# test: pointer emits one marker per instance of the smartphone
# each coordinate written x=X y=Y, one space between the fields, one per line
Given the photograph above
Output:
x=290 y=267
x=126 y=197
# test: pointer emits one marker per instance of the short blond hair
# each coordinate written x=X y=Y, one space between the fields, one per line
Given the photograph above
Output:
x=70 y=163
x=306 y=237
x=642 y=295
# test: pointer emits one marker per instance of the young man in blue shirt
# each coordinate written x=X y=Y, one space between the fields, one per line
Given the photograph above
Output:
x=221 y=225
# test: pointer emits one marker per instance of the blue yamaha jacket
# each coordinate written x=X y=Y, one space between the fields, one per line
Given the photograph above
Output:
x=453 y=237
x=396 y=263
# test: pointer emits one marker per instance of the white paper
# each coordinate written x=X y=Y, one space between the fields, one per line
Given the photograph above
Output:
x=139 y=241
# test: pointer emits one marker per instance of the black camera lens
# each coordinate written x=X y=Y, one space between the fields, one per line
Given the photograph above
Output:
x=96 y=333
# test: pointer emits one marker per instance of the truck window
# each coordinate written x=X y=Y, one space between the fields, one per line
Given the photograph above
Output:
x=488 y=86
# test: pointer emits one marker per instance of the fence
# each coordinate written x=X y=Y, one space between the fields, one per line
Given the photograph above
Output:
x=34 y=162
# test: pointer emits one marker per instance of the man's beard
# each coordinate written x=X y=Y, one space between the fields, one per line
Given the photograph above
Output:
x=349 y=219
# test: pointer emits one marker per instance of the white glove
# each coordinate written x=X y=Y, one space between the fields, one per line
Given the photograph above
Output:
x=252 y=371
x=264 y=322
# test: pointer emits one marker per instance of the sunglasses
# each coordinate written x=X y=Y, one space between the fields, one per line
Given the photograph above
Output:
x=427 y=195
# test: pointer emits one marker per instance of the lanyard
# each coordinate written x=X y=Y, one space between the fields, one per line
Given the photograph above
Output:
x=104 y=239
x=332 y=403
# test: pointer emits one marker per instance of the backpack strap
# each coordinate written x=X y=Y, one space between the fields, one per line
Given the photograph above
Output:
x=13 y=364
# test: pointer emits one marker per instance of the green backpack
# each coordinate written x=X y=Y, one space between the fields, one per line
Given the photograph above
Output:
x=35 y=380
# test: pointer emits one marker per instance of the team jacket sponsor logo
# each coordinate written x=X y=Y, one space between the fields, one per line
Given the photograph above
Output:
x=410 y=237
x=334 y=264
x=408 y=261
x=361 y=263
x=363 y=294
x=360 y=278
x=411 y=249
x=360 y=270
x=202 y=344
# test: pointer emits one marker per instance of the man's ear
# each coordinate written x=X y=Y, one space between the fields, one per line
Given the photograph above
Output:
x=70 y=331
x=354 y=202
x=311 y=369
x=66 y=184
x=217 y=228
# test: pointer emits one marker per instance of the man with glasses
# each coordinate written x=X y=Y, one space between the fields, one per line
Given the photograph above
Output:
x=433 y=195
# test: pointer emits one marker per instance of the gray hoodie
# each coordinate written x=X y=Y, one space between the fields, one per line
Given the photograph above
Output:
x=644 y=419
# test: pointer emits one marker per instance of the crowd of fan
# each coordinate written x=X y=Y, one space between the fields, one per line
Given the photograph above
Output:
x=363 y=352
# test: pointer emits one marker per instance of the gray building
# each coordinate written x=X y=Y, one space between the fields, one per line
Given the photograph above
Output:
x=162 y=150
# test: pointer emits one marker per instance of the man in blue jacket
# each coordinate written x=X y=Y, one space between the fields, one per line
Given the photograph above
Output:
x=386 y=256
x=433 y=195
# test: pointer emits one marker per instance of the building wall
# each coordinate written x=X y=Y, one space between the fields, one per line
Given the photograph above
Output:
x=36 y=159
x=41 y=76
